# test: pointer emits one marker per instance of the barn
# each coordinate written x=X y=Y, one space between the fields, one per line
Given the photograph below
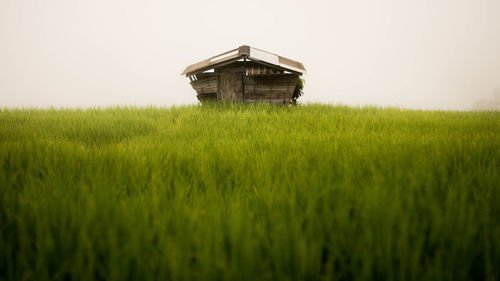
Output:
x=245 y=74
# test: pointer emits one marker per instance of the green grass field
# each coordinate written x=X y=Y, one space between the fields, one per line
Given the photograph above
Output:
x=231 y=192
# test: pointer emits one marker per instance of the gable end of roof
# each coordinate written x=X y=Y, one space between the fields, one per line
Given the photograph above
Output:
x=245 y=51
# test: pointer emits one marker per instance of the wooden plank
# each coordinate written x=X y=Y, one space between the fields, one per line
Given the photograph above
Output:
x=209 y=96
x=249 y=89
x=262 y=88
x=200 y=83
x=256 y=97
x=248 y=80
x=197 y=88
x=209 y=89
x=261 y=94
x=230 y=87
x=212 y=82
x=231 y=69
x=279 y=88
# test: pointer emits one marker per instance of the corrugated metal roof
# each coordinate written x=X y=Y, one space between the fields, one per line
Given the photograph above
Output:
x=250 y=53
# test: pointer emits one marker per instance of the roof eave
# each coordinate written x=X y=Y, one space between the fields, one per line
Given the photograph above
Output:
x=245 y=51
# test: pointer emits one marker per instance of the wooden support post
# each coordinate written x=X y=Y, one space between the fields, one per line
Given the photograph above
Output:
x=218 y=88
x=243 y=78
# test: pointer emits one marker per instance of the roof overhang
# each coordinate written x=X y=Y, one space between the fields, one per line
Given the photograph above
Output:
x=249 y=53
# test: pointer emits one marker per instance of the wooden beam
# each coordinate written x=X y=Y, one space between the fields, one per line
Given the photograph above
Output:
x=216 y=65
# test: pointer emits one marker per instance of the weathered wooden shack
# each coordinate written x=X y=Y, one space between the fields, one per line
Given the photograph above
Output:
x=245 y=74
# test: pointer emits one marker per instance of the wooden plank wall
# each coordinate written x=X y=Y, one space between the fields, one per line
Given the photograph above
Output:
x=230 y=83
x=206 y=86
x=270 y=89
x=230 y=87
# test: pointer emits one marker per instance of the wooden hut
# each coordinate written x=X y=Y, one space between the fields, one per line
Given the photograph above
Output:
x=245 y=74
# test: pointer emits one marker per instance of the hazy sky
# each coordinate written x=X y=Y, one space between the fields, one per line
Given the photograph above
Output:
x=420 y=54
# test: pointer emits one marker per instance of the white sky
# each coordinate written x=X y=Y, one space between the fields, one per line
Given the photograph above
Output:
x=420 y=54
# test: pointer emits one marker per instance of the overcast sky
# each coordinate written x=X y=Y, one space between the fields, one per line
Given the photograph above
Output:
x=420 y=54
